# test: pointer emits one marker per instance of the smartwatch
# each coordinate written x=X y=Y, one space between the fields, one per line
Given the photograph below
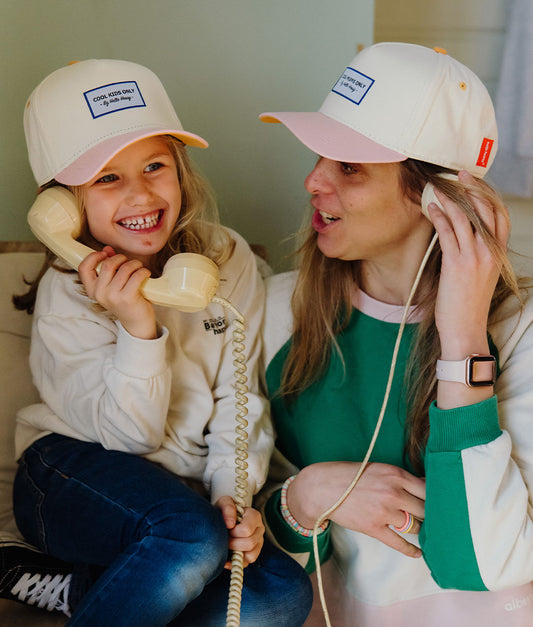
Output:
x=474 y=371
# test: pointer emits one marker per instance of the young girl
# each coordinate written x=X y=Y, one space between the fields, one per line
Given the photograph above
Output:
x=450 y=477
x=127 y=466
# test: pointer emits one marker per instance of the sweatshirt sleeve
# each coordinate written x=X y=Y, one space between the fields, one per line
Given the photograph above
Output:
x=105 y=384
x=446 y=514
x=296 y=545
x=478 y=530
x=279 y=532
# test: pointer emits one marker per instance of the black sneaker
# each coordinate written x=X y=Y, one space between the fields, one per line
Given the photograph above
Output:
x=34 y=578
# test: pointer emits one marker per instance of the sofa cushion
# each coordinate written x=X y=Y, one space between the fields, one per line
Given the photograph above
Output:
x=15 y=378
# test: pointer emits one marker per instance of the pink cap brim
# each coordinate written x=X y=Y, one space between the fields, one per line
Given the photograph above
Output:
x=332 y=139
x=94 y=159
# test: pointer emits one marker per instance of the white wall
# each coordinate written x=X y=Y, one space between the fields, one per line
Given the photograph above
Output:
x=472 y=31
x=223 y=62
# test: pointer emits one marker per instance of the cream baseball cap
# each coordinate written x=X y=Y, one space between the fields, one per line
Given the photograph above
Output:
x=397 y=101
x=83 y=114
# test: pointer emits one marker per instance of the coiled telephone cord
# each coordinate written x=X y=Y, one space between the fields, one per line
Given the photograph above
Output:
x=241 y=455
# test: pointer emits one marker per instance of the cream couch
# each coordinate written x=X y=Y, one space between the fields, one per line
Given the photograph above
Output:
x=16 y=260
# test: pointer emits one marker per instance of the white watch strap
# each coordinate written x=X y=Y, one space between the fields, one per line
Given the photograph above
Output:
x=452 y=370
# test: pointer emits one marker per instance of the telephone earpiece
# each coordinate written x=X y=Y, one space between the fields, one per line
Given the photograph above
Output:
x=428 y=195
x=188 y=282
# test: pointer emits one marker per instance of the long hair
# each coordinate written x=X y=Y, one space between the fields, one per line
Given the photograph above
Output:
x=328 y=284
x=197 y=229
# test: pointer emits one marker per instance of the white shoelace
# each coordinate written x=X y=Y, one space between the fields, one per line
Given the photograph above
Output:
x=44 y=591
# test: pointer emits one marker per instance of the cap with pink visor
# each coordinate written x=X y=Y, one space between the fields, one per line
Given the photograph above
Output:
x=397 y=101
x=83 y=114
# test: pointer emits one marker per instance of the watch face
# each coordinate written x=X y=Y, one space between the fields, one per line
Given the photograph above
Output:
x=481 y=370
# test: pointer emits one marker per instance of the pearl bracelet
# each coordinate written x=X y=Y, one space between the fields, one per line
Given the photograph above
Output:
x=289 y=518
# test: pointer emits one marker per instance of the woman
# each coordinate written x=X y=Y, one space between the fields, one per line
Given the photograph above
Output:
x=451 y=468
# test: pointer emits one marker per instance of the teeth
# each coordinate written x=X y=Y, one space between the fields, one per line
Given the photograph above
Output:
x=141 y=222
x=327 y=217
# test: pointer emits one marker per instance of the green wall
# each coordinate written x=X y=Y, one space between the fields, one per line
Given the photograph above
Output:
x=222 y=61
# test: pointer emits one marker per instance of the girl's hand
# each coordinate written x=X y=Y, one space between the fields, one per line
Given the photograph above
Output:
x=116 y=288
x=379 y=500
x=469 y=275
x=246 y=536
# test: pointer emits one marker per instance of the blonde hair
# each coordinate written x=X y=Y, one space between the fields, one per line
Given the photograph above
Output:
x=197 y=229
x=328 y=285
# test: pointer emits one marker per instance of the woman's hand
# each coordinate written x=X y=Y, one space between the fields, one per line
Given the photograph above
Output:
x=379 y=500
x=246 y=536
x=469 y=275
x=469 y=271
x=116 y=287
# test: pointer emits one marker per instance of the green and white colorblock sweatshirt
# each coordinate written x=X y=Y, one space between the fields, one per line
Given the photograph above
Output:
x=477 y=537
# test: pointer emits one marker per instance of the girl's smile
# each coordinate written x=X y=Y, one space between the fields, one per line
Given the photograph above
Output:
x=142 y=223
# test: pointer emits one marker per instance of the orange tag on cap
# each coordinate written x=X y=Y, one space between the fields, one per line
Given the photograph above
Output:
x=484 y=153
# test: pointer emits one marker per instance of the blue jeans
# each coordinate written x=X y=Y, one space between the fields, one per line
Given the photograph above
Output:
x=147 y=549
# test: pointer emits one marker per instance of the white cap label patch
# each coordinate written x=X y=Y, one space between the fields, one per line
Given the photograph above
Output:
x=353 y=85
x=114 y=97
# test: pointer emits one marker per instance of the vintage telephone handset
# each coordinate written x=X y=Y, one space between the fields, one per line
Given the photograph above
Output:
x=428 y=196
x=188 y=283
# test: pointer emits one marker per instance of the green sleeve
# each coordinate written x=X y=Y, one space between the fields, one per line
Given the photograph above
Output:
x=290 y=540
x=445 y=536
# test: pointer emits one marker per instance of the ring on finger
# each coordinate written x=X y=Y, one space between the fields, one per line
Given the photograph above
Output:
x=408 y=524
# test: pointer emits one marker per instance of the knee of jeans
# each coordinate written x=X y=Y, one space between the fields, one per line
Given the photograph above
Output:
x=277 y=581
x=199 y=525
x=297 y=594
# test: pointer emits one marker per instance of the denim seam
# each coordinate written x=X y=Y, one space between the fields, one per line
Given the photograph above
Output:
x=41 y=532
x=55 y=468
